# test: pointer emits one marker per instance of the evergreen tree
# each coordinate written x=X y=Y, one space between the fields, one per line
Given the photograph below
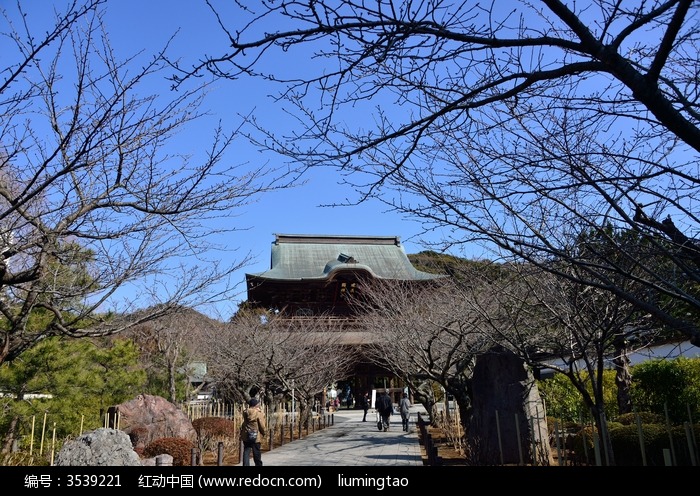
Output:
x=70 y=383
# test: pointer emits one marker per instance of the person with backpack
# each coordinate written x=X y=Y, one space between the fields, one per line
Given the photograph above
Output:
x=385 y=407
x=253 y=429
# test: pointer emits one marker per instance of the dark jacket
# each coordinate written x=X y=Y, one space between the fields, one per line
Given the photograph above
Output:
x=384 y=405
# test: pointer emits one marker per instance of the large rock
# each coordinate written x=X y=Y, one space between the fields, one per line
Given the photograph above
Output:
x=147 y=418
x=508 y=417
x=102 y=448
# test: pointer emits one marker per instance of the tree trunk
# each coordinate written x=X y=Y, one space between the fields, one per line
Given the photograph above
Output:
x=601 y=423
x=172 y=376
x=623 y=376
x=424 y=395
x=10 y=435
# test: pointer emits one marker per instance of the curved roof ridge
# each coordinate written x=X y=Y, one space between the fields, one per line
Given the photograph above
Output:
x=318 y=256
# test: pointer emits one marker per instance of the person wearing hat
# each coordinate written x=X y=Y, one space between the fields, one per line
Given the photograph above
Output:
x=253 y=429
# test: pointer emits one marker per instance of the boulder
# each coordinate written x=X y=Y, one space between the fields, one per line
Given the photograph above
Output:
x=147 y=418
x=100 y=448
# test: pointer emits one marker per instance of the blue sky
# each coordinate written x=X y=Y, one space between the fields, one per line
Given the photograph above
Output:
x=135 y=25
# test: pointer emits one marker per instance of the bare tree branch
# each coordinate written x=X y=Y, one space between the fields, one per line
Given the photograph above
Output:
x=515 y=128
x=274 y=356
x=98 y=217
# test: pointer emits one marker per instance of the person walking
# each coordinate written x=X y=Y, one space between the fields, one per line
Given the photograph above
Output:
x=404 y=410
x=385 y=407
x=366 y=404
x=253 y=429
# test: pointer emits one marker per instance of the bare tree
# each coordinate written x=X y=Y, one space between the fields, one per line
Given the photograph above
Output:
x=517 y=127
x=548 y=321
x=98 y=217
x=170 y=344
x=275 y=356
x=423 y=334
x=556 y=324
x=451 y=333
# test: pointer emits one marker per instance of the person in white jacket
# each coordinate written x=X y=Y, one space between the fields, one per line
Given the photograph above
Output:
x=404 y=409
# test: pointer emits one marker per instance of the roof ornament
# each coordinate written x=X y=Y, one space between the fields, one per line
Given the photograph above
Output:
x=346 y=258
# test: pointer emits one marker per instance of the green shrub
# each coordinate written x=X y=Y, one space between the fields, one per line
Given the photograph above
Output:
x=657 y=386
x=179 y=448
x=644 y=418
x=627 y=444
x=564 y=401
x=673 y=385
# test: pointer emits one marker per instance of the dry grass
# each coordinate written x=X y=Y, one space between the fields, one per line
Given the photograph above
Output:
x=448 y=455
